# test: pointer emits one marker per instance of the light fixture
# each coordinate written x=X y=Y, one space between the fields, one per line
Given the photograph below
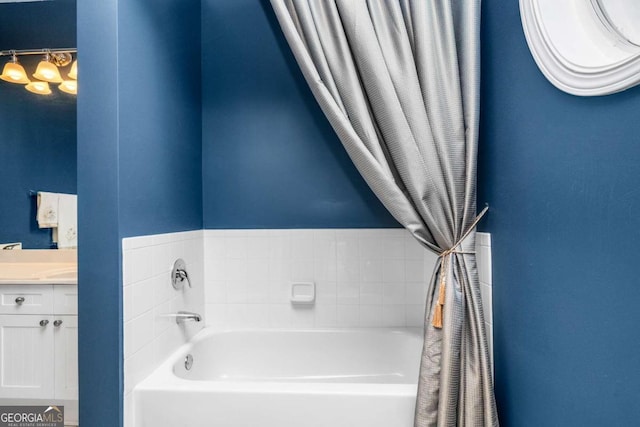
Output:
x=40 y=88
x=48 y=71
x=13 y=72
x=73 y=73
x=69 y=86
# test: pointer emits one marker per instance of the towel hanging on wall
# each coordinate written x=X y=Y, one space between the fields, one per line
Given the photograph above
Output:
x=58 y=211
x=67 y=221
x=47 y=215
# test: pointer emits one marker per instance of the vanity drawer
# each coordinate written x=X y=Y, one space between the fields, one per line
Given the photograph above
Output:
x=26 y=299
x=65 y=299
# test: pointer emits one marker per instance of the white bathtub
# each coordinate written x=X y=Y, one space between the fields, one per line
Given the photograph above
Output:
x=275 y=378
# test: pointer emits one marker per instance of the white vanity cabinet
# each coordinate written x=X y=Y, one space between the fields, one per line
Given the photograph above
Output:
x=65 y=349
x=26 y=299
x=26 y=371
x=38 y=342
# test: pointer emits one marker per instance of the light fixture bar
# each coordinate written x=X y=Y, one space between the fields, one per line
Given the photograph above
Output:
x=36 y=51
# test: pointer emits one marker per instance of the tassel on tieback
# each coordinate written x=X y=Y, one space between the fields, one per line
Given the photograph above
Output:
x=438 y=314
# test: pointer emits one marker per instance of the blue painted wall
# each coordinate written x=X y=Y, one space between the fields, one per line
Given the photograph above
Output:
x=38 y=142
x=561 y=174
x=139 y=151
x=271 y=159
x=160 y=121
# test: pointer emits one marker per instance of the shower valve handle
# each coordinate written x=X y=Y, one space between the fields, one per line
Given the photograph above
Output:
x=179 y=274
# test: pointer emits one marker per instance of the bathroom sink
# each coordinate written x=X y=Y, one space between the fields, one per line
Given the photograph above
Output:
x=36 y=273
x=39 y=266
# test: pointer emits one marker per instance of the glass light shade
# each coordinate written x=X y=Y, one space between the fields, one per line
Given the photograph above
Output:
x=14 y=73
x=73 y=73
x=69 y=86
x=41 y=88
x=48 y=72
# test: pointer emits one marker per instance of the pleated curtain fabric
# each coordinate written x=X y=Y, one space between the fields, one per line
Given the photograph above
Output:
x=399 y=82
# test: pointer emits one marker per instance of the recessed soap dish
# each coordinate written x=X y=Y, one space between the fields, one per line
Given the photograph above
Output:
x=303 y=293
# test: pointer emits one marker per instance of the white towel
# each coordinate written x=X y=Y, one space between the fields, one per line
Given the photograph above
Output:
x=47 y=209
x=67 y=221
x=60 y=213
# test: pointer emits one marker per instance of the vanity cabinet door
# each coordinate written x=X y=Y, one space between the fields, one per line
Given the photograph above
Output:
x=26 y=344
x=66 y=356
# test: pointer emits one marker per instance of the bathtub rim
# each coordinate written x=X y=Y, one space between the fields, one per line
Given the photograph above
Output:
x=163 y=379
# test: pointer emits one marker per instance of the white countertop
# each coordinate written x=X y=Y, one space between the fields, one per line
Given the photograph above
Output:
x=38 y=267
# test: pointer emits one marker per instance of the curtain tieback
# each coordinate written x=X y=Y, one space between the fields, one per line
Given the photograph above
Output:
x=445 y=255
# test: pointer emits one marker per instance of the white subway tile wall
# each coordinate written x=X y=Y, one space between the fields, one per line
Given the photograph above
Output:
x=483 y=258
x=363 y=277
x=149 y=336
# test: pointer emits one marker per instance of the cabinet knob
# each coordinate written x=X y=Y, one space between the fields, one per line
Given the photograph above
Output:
x=44 y=322
x=57 y=323
x=19 y=300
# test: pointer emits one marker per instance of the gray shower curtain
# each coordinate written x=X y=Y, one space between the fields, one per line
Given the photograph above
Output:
x=399 y=82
